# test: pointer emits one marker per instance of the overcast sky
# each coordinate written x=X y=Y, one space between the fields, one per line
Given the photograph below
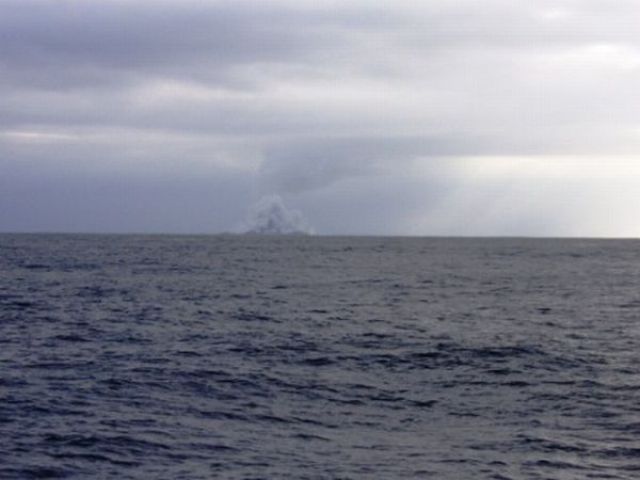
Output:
x=439 y=117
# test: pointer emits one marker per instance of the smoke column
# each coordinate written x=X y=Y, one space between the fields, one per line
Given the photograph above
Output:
x=270 y=216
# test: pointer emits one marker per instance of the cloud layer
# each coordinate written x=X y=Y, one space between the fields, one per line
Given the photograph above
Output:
x=376 y=118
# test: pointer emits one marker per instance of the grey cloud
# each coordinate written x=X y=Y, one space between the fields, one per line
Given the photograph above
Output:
x=49 y=44
x=96 y=51
x=520 y=24
x=58 y=45
x=313 y=163
x=319 y=102
x=303 y=165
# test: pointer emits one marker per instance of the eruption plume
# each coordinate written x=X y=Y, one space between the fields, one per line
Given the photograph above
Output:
x=270 y=216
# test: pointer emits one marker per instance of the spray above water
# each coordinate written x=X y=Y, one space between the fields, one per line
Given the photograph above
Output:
x=270 y=216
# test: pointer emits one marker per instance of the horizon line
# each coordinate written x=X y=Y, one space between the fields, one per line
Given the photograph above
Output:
x=321 y=235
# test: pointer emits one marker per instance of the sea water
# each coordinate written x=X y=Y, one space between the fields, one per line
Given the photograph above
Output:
x=250 y=357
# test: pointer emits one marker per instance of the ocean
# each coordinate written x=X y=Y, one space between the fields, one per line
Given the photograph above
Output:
x=309 y=357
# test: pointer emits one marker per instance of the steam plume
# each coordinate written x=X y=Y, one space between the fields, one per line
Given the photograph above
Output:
x=270 y=216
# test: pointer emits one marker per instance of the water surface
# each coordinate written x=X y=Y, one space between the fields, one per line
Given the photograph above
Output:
x=138 y=357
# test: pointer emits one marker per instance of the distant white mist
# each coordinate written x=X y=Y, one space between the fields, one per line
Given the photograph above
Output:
x=270 y=216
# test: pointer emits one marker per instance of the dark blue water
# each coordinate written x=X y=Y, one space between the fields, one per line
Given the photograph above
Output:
x=133 y=357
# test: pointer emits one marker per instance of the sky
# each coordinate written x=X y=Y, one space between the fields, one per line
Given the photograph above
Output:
x=439 y=117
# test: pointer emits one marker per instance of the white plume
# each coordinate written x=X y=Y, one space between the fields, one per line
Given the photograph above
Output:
x=270 y=216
